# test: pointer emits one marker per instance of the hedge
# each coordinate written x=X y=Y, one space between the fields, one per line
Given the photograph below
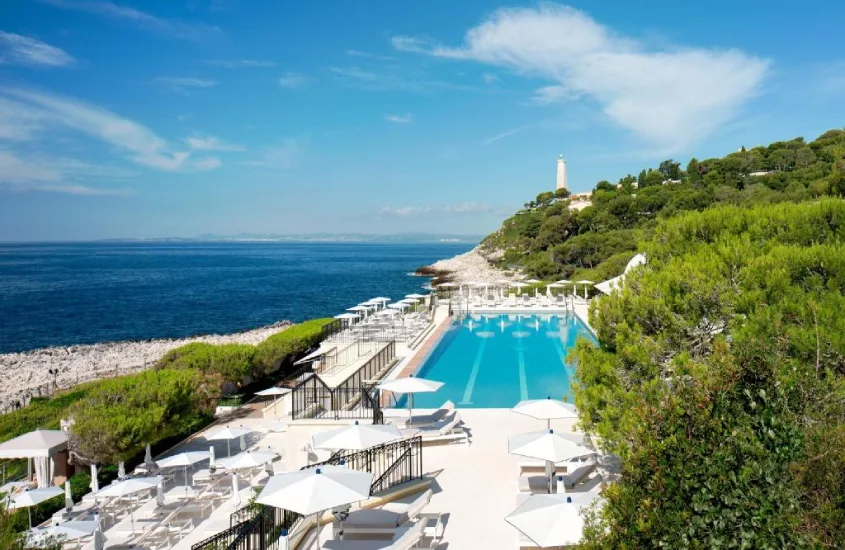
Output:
x=273 y=351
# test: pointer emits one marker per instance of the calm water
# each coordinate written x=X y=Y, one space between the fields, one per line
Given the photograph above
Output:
x=498 y=360
x=85 y=293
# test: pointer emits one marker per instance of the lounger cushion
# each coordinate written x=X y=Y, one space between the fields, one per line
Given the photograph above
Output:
x=374 y=518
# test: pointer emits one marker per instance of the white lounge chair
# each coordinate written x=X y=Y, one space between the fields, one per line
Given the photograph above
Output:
x=448 y=429
x=404 y=538
x=383 y=520
x=399 y=416
x=511 y=300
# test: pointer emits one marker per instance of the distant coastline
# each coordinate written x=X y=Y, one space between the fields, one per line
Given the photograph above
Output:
x=328 y=238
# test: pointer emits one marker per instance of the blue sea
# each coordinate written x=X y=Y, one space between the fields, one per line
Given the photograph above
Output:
x=64 y=294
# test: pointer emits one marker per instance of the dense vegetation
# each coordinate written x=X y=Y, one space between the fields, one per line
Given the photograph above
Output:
x=549 y=240
x=114 y=419
x=239 y=363
x=720 y=379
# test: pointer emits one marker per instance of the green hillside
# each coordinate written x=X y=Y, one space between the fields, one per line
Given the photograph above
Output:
x=549 y=240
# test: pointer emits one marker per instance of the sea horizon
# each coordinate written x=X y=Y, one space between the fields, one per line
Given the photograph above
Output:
x=81 y=293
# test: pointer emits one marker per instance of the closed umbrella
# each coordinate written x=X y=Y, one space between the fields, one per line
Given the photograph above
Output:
x=68 y=497
x=410 y=385
x=212 y=459
x=236 y=491
x=549 y=520
x=546 y=445
x=314 y=490
x=148 y=458
x=545 y=409
x=229 y=433
x=33 y=497
x=160 y=499
x=121 y=470
x=95 y=483
x=356 y=437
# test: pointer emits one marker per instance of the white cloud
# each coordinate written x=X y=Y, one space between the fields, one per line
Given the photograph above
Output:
x=368 y=55
x=22 y=174
x=507 y=133
x=394 y=77
x=407 y=118
x=210 y=143
x=354 y=72
x=282 y=156
x=207 y=163
x=242 y=63
x=490 y=78
x=291 y=80
x=137 y=142
x=143 y=20
x=23 y=50
x=184 y=83
x=669 y=97
x=436 y=210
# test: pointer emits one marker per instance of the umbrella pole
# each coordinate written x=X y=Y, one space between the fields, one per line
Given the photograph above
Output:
x=228 y=448
x=29 y=513
x=186 y=480
x=410 y=405
x=550 y=473
x=317 y=532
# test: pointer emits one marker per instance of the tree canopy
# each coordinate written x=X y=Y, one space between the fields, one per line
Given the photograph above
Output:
x=541 y=238
x=720 y=383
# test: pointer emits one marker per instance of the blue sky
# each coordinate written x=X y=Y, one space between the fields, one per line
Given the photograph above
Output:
x=185 y=117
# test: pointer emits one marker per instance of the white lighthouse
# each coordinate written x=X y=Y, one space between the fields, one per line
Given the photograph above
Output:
x=561 y=173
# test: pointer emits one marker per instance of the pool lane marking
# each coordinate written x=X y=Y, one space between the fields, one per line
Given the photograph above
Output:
x=474 y=374
x=523 y=382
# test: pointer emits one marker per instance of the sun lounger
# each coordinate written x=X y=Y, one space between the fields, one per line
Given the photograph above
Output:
x=404 y=538
x=448 y=429
x=511 y=300
x=400 y=415
x=383 y=520
x=534 y=484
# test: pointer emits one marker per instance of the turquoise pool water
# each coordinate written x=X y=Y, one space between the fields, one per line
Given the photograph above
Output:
x=496 y=361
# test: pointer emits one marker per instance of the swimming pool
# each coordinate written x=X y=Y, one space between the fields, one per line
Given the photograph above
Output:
x=495 y=361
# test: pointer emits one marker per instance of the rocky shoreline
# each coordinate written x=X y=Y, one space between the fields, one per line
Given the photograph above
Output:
x=470 y=266
x=27 y=374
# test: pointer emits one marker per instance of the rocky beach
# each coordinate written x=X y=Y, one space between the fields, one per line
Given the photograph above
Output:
x=27 y=374
x=470 y=266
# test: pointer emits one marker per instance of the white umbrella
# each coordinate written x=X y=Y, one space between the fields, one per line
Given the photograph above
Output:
x=249 y=459
x=549 y=520
x=356 y=437
x=545 y=409
x=410 y=385
x=68 y=496
x=236 y=491
x=275 y=391
x=546 y=445
x=95 y=483
x=519 y=286
x=447 y=285
x=389 y=312
x=33 y=497
x=380 y=299
x=399 y=305
x=533 y=281
x=148 y=458
x=184 y=459
x=70 y=530
x=128 y=487
x=585 y=283
x=358 y=308
x=563 y=282
x=228 y=433
x=313 y=490
x=347 y=316
x=415 y=295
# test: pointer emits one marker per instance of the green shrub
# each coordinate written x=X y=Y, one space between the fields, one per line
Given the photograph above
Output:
x=273 y=351
x=232 y=362
x=120 y=416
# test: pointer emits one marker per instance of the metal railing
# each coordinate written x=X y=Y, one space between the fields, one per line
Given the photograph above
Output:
x=259 y=527
x=391 y=464
x=354 y=397
x=333 y=327
x=260 y=531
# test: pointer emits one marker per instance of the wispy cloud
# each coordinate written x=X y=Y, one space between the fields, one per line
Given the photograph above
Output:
x=368 y=55
x=21 y=174
x=669 y=97
x=436 y=209
x=16 y=49
x=407 y=118
x=507 y=133
x=395 y=77
x=241 y=63
x=281 y=156
x=137 y=142
x=143 y=20
x=490 y=78
x=183 y=84
x=210 y=143
x=291 y=80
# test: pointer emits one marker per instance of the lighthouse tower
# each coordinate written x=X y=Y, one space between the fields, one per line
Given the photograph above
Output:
x=561 y=173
